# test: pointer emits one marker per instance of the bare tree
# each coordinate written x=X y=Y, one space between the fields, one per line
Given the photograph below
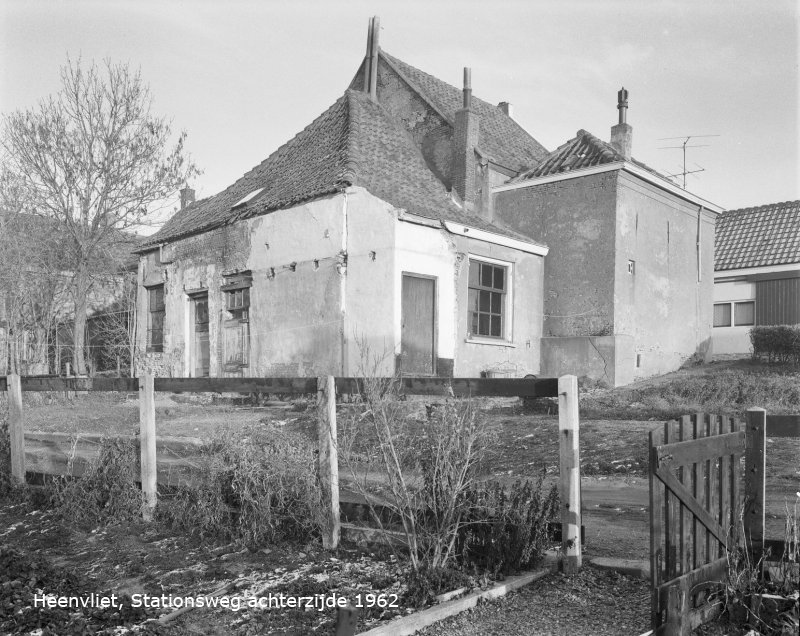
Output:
x=33 y=289
x=96 y=160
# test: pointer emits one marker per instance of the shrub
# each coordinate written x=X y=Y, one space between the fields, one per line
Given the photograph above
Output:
x=107 y=490
x=506 y=531
x=776 y=343
x=258 y=486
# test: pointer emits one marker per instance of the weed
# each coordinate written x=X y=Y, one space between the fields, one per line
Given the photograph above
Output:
x=258 y=486
x=507 y=531
x=107 y=490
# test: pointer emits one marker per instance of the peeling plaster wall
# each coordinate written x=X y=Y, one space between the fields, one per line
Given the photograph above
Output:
x=296 y=314
x=518 y=354
x=666 y=304
x=575 y=219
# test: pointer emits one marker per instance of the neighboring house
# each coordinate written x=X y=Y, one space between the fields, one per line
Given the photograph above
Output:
x=410 y=220
x=630 y=268
x=757 y=273
x=359 y=240
x=36 y=305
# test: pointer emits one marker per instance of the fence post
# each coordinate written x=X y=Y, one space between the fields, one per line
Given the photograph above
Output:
x=16 y=426
x=328 y=459
x=569 y=472
x=147 y=441
x=754 y=486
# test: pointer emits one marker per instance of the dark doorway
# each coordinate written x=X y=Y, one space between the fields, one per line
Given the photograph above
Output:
x=201 y=354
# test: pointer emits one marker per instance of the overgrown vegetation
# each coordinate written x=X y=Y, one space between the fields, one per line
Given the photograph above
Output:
x=258 y=486
x=106 y=491
x=726 y=391
x=763 y=594
x=425 y=469
x=506 y=531
x=776 y=343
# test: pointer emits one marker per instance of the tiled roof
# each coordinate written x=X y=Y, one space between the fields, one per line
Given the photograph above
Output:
x=354 y=142
x=758 y=236
x=583 y=151
x=503 y=139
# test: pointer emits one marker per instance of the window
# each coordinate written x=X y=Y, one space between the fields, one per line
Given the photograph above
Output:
x=743 y=314
x=236 y=326
x=155 y=319
x=631 y=267
x=488 y=285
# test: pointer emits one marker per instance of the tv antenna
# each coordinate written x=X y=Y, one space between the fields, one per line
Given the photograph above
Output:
x=683 y=147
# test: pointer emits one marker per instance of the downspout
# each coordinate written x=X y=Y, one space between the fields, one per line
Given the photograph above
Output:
x=342 y=269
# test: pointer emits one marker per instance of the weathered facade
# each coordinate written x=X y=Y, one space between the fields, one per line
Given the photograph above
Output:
x=630 y=270
x=757 y=273
x=333 y=285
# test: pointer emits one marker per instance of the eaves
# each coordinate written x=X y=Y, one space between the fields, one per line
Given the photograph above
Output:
x=628 y=167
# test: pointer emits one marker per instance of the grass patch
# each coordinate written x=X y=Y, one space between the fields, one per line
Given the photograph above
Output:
x=728 y=391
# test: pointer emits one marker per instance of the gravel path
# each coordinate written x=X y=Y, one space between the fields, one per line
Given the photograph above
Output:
x=593 y=603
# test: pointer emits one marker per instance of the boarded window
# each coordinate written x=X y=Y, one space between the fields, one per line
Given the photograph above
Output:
x=236 y=325
x=236 y=344
x=744 y=314
x=722 y=315
x=155 y=321
x=486 y=299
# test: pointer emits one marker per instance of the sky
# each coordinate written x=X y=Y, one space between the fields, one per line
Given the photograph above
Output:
x=243 y=77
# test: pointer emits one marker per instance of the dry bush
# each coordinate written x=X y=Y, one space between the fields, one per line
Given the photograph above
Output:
x=106 y=492
x=259 y=485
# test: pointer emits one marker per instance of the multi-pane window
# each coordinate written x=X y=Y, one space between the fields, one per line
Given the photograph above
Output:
x=736 y=314
x=155 y=322
x=236 y=326
x=488 y=285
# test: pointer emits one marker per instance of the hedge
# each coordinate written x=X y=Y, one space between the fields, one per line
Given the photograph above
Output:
x=776 y=343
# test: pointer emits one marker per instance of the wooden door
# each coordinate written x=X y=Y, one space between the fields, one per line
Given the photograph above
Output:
x=201 y=351
x=418 y=331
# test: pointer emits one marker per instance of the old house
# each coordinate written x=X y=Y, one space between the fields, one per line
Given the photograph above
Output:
x=630 y=271
x=413 y=220
x=364 y=237
x=756 y=273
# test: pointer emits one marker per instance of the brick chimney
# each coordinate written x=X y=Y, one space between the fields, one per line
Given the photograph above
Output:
x=622 y=133
x=465 y=139
x=506 y=108
x=187 y=196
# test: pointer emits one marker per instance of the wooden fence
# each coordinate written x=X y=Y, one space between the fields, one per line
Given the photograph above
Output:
x=695 y=500
x=326 y=388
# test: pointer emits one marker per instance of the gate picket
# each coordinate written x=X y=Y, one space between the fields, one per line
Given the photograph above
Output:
x=693 y=494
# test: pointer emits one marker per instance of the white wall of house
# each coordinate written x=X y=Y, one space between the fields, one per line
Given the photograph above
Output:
x=732 y=339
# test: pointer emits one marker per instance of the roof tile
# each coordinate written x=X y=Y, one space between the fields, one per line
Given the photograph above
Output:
x=758 y=236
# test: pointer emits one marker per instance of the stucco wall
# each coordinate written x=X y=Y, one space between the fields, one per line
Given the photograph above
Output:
x=575 y=219
x=665 y=304
x=326 y=292
x=730 y=340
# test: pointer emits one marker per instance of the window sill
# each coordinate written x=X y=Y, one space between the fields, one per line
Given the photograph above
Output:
x=497 y=342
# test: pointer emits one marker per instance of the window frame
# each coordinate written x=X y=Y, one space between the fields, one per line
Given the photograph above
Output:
x=731 y=314
x=236 y=292
x=505 y=293
x=154 y=346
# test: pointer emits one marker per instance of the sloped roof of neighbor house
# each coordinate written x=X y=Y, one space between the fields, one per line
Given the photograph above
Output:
x=354 y=142
x=758 y=236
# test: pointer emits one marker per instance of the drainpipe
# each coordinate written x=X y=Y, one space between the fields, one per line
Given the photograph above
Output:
x=342 y=269
x=699 y=237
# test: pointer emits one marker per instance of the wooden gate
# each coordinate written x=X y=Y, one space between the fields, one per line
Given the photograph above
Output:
x=694 y=499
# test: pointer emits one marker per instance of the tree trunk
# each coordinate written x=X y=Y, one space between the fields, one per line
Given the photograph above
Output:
x=81 y=291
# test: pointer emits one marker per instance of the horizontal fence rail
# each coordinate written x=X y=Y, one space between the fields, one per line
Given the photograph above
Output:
x=458 y=387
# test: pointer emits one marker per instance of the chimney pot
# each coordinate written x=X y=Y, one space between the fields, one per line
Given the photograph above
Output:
x=467 y=87
x=622 y=133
